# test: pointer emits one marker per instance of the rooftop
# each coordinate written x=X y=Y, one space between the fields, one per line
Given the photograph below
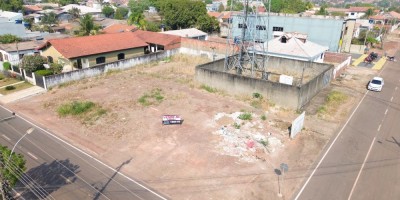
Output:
x=90 y=45
x=190 y=32
x=118 y=28
x=157 y=38
x=21 y=46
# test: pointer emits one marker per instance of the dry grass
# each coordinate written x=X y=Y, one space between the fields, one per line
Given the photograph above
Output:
x=18 y=87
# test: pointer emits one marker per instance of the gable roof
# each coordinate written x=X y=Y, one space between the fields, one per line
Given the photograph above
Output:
x=293 y=47
x=33 y=8
x=21 y=46
x=394 y=14
x=96 y=44
x=215 y=14
x=157 y=38
x=118 y=28
x=359 y=9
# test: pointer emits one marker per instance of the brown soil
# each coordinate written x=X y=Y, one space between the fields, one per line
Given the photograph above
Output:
x=187 y=161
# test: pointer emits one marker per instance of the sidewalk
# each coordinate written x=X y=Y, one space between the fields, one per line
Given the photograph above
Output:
x=21 y=94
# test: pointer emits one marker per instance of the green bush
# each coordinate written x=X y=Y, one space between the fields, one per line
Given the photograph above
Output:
x=6 y=66
x=208 y=88
x=10 y=87
x=245 y=116
x=263 y=117
x=75 y=108
x=44 y=72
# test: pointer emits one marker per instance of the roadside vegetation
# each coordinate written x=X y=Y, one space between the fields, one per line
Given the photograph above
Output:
x=87 y=111
x=13 y=88
x=332 y=102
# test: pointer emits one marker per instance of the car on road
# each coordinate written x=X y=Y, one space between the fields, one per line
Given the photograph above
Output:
x=376 y=84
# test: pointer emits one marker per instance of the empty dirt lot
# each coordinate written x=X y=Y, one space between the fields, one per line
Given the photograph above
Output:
x=213 y=154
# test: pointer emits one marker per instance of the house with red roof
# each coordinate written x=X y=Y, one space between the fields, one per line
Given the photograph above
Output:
x=119 y=28
x=357 y=12
x=87 y=51
x=83 y=52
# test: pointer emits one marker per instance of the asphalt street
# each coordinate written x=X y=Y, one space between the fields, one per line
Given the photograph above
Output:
x=363 y=160
x=58 y=170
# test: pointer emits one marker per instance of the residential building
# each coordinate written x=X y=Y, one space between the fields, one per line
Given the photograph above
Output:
x=214 y=6
x=14 y=52
x=357 y=12
x=83 y=52
x=157 y=41
x=10 y=27
x=293 y=46
x=96 y=12
x=188 y=33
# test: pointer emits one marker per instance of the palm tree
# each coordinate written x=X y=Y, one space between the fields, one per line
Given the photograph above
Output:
x=87 y=25
x=369 y=12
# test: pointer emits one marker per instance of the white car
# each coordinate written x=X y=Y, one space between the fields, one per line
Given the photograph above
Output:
x=376 y=84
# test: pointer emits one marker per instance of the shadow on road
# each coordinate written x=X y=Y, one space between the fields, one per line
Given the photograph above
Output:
x=102 y=188
x=41 y=181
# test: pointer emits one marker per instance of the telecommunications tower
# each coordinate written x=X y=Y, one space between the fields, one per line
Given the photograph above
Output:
x=248 y=32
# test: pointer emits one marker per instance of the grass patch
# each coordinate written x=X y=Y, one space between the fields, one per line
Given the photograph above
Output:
x=332 y=101
x=245 y=116
x=263 y=117
x=208 y=88
x=236 y=125
x=85 y=110
x=264 y=143
x=7 y=81
x=155 y=97
x=18 y=87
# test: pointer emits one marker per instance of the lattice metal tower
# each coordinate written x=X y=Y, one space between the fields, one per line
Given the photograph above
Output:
x=239 y=56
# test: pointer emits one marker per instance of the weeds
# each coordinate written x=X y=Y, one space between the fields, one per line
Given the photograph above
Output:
x=86 y=110
x=263 y=117
x=208 y=88
x=245 y=116
x=264 y=143
x=155 y=97
x=236 y=125
x=332 y=101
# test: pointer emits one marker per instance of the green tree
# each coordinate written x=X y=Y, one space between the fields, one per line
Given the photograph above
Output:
x=49 y=19
x=12 y=168
x=56 y=68
x=74 y=12
x=288 y=6
x=121 y=13
x=221 y=7
x=32 y=63
x=369 y=13
x=87 y=26
x=208 y=1
x=207 y=24
x=179 y=14
x=9 y=38
x=108 y=11
x=322 y=11
x=66 y=2
x=235 y=4
x=11 y=5
x=153 y=27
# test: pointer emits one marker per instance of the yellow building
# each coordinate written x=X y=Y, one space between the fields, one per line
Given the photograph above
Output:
x=88 y=51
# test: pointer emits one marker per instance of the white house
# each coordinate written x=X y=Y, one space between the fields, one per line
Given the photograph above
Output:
x=96 y=12
x=356 y=12
x=14 y=52
x=292 y=46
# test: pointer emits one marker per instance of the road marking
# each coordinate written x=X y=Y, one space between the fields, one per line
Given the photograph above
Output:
x=379 y=128
x=330 y=146
x=386 y=111
x=391 y=99
x=4 y=136
x=362 y=166
x=90 y=156
x=33 y=156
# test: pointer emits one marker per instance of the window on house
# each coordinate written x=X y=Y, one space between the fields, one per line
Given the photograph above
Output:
x=121 y=56
x=261 y=27
x=242 y=26
x=322 y=55
x=283 y=39
x=275 y=28
x=100 y=60
x=352 y=13
x=21 y=56
x=50 y=59
x=5 y=57
x=1 y=56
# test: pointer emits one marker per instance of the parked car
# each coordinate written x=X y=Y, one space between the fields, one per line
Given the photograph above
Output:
x=376 y=84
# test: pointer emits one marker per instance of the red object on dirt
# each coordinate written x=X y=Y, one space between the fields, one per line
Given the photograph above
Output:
x=250 y=144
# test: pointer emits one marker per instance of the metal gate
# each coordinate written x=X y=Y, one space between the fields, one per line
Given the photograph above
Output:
x=39 y=80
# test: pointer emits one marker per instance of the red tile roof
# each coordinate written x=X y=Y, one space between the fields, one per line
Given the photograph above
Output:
x=395 y=14
x=377 y=17
x=215 y=14
x=97 y=44
x=32 y=8
x=359 y=9
x=118 y=28
x=157 y=38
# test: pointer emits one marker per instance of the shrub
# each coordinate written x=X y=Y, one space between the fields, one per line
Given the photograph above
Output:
x=257 y=95
x=75 y=108
x=44 y=72
x=155 y=97
x=245 y=116
x=236 y=125
x=10 y=87
x=263 y=117
x=208 y=88
x=56 y=68
x=6 y=66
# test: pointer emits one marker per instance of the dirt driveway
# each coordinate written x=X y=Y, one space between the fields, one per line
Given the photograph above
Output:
x=214 y=154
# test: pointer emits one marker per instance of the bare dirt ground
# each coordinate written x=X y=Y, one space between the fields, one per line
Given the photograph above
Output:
x=213 y=154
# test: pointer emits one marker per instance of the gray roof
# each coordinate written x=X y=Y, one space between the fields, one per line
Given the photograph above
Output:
x=190 y=32
x=29 y=45
x=12 y=28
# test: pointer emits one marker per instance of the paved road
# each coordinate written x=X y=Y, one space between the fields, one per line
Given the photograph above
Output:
x=363 y=161
x=57 y=170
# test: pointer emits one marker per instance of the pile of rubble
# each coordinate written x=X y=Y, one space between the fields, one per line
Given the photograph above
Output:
x=246 y=139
